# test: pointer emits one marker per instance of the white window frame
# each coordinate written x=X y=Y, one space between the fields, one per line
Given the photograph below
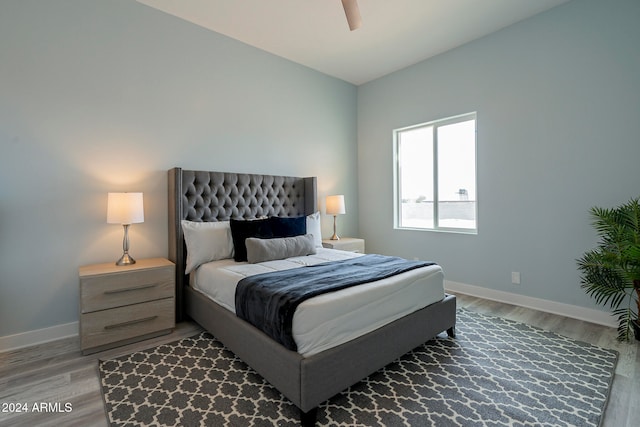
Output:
x=397 y=171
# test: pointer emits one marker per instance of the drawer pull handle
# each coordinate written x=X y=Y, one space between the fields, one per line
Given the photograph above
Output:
x=131 y=322
x=135 y=288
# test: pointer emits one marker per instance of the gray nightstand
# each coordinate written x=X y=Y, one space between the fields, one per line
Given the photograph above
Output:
x=350 y=244
x=124 y=304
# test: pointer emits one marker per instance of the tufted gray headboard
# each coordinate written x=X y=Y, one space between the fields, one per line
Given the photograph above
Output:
x=220 y=196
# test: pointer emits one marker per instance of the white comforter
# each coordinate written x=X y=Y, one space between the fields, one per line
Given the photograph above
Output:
x=331 y=319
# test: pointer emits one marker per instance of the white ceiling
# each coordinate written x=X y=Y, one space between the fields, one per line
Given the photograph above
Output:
x=394 y=33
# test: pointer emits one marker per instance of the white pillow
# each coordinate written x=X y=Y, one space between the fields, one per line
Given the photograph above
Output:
x=314 y=228
x=206 y=241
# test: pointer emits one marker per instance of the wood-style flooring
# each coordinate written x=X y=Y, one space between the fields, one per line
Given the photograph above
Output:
x=56 y=373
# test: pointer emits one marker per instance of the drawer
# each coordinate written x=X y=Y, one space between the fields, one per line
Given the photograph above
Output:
x=102 y=292
x=117 y=324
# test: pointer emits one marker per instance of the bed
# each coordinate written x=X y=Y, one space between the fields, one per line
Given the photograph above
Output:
x=312 y=377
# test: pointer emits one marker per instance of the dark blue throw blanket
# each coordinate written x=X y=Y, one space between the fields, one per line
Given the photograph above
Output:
x=269 y=300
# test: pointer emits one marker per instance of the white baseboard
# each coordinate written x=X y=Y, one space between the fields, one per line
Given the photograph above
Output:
x=39 y=336
x=567 y=310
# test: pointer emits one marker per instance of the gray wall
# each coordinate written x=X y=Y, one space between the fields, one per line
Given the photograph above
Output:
x=99 y=96
x=558 y=103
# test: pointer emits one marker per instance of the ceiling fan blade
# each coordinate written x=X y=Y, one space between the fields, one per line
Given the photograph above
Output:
x=353 y=14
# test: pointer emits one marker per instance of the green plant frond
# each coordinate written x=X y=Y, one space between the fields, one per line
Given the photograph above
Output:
x=618 y=299
x=605 y=296
x=631 y=215
x=625 y=316
x=624 y=332
x=622 y=271
x=611 y=271
x=604 y=281
x=598 y=259
x=632 y=252
x=626 y=255
x=601 y=279
x=600 y=271
x=604 y=220
x=604 y=291
x=625 y=273
x=623 y=220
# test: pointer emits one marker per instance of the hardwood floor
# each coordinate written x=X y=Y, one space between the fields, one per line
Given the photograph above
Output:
x=56 y=373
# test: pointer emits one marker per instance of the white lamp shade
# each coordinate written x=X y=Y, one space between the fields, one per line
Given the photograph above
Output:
x=335 y=205
x=125 y=208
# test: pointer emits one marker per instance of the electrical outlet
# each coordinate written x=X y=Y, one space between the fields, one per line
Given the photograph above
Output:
x=515 y=277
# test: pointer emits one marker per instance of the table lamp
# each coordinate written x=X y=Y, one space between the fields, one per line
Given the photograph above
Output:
x=125 y=209
x=335 y=206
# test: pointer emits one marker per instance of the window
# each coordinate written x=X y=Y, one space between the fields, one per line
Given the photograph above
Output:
x=435 y=175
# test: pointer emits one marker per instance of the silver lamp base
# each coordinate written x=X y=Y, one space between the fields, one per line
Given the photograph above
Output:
x=335 y=235
x=126 y=259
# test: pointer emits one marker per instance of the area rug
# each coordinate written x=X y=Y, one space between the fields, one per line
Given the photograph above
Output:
x=496 y=372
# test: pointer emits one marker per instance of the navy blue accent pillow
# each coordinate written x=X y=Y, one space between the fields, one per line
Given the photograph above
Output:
x=288 y=227
x=243 y=229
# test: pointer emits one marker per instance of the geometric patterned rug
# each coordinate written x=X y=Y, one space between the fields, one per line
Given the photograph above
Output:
x=495 y=372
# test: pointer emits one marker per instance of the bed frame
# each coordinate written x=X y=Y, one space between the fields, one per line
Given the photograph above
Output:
x=306 y=381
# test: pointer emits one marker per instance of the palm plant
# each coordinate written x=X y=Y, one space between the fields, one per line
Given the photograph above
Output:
x=611 y=271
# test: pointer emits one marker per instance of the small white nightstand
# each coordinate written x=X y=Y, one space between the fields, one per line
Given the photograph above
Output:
x=124 y=304
x=350 y=244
